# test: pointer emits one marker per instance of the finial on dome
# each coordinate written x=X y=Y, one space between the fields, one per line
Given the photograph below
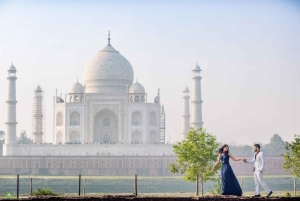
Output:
x=137 y=79
x=109 y=37
x=77 y=79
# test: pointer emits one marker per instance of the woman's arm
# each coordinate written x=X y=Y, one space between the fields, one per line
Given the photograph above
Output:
x=234 y=159
x=218 y=161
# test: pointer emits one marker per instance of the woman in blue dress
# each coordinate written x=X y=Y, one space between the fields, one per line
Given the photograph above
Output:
x=230 y=185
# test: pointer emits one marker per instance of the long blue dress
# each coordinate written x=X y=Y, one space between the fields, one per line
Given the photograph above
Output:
x=230 y=185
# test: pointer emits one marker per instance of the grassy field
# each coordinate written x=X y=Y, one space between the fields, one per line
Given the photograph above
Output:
x=99 y=185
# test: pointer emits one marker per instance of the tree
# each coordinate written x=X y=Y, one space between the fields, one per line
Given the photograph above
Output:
x=196 y=155
x=292 y=156
x=277 y=142
x=23 y=139
x=275 y=147
x=2 y=135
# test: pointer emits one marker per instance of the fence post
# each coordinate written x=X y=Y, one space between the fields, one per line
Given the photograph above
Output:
x=135 y=185
x=197 y=185
x=79 y=183
x=242 y=183
x=30 y=186
x=18 y=186
x=295 y=192
x=84 y=187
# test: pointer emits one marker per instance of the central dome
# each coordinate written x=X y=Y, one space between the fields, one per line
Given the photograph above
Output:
x=108 y=72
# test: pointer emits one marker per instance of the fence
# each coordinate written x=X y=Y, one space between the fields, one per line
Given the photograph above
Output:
x=17 y=185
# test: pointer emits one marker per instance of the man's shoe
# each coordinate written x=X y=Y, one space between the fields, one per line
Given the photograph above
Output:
x=270 y=193
x=256 y=196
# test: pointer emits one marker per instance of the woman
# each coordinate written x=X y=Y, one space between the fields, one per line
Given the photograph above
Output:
x=230 y=185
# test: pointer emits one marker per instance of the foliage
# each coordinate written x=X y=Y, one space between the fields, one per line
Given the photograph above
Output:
x=196 y=155
x=275 y=147
x=23 y=139
x=292 y=156
x=2 y=135
x=43 y=191
x=217 y=186
x=241 y=150
x=287 y=194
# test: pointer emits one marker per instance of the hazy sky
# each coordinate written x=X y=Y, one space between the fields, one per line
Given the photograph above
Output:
x=249 y=53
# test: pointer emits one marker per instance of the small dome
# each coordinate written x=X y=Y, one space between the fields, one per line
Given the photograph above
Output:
x=76 y=88
x=186 y=89
x=137 y=88
x=197 y=68
x=12 y=67
x=38 y=89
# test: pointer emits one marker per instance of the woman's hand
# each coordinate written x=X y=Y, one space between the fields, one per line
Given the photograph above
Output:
x=212 y=169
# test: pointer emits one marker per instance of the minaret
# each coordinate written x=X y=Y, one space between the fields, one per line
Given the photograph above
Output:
x=38 y=116
x=196 y=103
x=11 y=123
x=185 y=114
x=162 y=126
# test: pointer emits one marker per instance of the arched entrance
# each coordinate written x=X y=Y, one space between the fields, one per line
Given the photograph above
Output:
x=106 y=127
x=136 y=137
x=74 y=137
x=59 y=137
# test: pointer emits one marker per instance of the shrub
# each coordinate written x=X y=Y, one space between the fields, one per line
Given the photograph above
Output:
x=287 y=194
x=217 y=186
x=43 y=191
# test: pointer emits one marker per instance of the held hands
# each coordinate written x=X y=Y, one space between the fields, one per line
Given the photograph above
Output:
x=244 y=160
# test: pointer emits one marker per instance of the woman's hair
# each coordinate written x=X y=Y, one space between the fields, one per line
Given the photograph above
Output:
x=221 y=149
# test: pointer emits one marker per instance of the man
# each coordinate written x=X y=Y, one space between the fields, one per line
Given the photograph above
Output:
x=259 y=168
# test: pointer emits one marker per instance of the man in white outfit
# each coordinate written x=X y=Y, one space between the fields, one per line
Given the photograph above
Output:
x=259 y=167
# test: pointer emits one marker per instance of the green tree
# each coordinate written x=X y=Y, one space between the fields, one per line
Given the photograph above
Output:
x=292 y=156
x=196 y=155
x=275 y=147
x=2 y=141
x=23 y=139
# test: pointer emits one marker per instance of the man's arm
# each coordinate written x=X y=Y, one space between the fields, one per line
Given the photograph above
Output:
x=250 y=161
x=263 y=162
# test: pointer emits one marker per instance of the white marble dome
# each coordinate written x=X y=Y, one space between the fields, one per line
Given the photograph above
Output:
x=137 y=88
x=76 y=88
x=107 y=70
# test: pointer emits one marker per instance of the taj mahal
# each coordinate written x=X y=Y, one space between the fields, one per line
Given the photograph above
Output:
x=108 y=115
x=105 y=126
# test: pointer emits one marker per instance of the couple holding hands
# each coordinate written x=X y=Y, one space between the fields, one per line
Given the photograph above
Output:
x=230 y=185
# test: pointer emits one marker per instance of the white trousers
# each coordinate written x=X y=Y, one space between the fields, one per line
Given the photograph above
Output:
x=258 y=179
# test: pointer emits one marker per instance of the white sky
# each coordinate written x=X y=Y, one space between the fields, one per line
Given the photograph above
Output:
x=249 y=52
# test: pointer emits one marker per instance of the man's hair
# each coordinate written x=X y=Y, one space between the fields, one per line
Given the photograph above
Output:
x=257 y=145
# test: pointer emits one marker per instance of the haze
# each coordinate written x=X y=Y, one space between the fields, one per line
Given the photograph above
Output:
x=248 y=52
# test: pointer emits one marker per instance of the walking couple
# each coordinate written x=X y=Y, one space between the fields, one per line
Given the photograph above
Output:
x=230 y=185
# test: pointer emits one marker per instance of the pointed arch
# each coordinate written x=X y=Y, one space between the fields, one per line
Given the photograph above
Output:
x=59 y=119
x=59 y=137
x=106 y=127
x=136 y=119
x=152 y=137
x=136 y=137
x=75 y=119
x=152 y=119
x=74 y=137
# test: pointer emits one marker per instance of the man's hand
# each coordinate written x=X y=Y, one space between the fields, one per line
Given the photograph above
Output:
x=244 y=160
